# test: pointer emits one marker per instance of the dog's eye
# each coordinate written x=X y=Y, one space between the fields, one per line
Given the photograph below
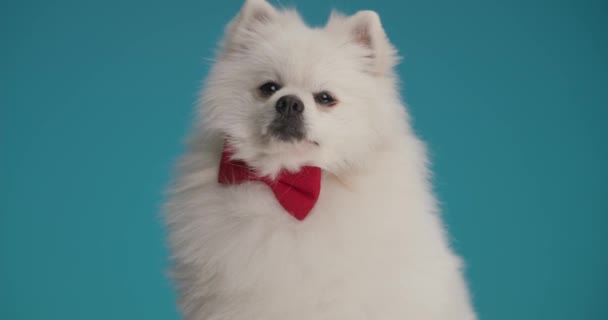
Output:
x=325 y=98
x=269 y=88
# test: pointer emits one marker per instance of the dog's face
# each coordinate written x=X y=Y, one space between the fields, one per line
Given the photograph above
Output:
x=286 y=95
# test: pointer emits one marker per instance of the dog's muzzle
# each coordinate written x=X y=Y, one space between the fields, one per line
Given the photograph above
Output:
x=288 y=124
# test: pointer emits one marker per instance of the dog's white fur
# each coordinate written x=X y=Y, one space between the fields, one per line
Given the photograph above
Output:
x=372 y=248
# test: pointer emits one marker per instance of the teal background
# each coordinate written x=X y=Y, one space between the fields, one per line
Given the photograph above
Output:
x=97 y=95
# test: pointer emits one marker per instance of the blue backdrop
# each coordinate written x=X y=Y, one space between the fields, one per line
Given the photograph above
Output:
x=96 y=96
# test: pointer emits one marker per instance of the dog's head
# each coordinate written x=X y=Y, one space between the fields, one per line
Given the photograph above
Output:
x=286 y=95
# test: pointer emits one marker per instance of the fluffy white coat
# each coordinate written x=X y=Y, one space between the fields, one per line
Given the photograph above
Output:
x=372 y=248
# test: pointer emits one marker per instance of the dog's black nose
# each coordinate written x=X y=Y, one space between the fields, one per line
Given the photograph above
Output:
x=289 y=105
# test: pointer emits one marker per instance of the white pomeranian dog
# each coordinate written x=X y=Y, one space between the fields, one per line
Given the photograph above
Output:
x=304 y=193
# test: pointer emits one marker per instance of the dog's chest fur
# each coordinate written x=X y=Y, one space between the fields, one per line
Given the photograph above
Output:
x=372 y=248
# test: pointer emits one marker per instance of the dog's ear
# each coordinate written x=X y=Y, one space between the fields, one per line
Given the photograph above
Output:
x=365 y=29
x=244 y=27
x=253 y=13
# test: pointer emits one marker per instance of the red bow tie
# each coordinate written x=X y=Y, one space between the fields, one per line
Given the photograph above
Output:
x=296 y=192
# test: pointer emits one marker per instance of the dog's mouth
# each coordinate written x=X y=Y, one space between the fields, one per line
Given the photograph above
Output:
x=282 y=141
x=288 y=135
x=287 y=129
x=313 y=142
x=279 y=140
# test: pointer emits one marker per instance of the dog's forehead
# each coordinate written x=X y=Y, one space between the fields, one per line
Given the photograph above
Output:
x=309 y=58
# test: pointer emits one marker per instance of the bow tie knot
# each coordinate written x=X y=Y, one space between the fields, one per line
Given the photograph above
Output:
x=296 y=192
